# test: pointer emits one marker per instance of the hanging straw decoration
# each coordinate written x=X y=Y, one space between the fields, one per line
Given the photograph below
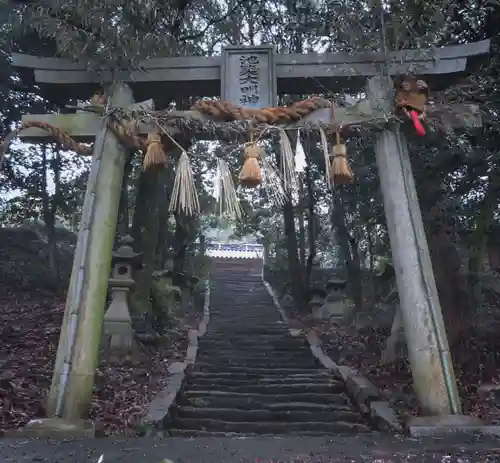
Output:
x=272 y=183
x=326 y=155
x=155 y=154
x=288 y=174
x=341 y=172
x=250 y=175
x=228 y=201
x=184 y=195
x=300 y=156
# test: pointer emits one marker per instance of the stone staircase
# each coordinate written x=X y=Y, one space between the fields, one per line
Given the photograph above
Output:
x=252 y=378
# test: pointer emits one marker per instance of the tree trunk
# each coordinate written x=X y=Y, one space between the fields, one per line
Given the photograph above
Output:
x=302 y=240
x=479 y=244
x=395 y=344
x=451 y=282
x=350 y=252
x=145 y=233
x=312 y=228
x=181 y=242
x=294 y=267
x=164 y=234
x=49 y=208
x=339 y=226
x=371 y=263
x=355 y=276
x=122 y=227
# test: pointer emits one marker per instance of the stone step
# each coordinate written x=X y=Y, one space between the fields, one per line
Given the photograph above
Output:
x=233 y=331
x=300 y=352
x=187 y=433
x=244 y=298
x=242 y=341
x=245 y=304
x=278 y=380
x=250 y=301
x=223 y=333
x=237 y=331
x=255 y=363
x=287 y=360
x=312 y=375
x=258 y=371
x=239 y=397
x=230 y=311
x=265 y=349
x=246 y=356
x=266 y=318
x=255 y=290
x=240 y=305
x=230 y=334
x=274 y=389
x=338 y=402
x=282 y=342
x=229 y=414
x=275 y=427
x=225 y=326
x=284 y=339
x=207 y=346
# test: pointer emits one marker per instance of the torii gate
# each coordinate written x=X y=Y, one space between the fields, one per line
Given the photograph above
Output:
x=77 y=355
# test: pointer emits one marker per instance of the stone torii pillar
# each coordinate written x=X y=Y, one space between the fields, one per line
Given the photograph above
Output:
x=428 y=350
x=78 y=351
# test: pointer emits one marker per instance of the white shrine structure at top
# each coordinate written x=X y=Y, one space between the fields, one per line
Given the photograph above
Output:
x=222 y=244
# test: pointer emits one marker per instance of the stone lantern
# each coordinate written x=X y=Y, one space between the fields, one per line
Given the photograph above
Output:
x=316 y=301
x=117 y=321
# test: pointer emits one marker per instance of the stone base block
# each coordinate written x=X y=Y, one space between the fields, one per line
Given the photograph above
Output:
x=118 y=335
x=429 y=426
x=56 y=428
x=121 y=341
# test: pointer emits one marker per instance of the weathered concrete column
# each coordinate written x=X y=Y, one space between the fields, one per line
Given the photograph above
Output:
x=431 y=365
x=78 y=351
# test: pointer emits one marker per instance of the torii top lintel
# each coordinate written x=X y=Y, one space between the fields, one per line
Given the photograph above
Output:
x=291 y=73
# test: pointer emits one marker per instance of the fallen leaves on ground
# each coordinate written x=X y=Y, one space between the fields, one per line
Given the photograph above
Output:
x=29 y=333
x=476 y=363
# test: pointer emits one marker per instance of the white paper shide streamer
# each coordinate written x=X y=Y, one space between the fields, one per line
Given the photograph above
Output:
x=326 y=155
x=300 y=156
x=184 y=194
x=227 y=199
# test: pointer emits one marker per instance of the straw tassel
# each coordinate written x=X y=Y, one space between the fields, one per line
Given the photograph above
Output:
x=288 y=174
x=250 y=175
x=184 y=196
x=227 y=198
x=273 y=183
x=155 y=154
x=340 y=171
